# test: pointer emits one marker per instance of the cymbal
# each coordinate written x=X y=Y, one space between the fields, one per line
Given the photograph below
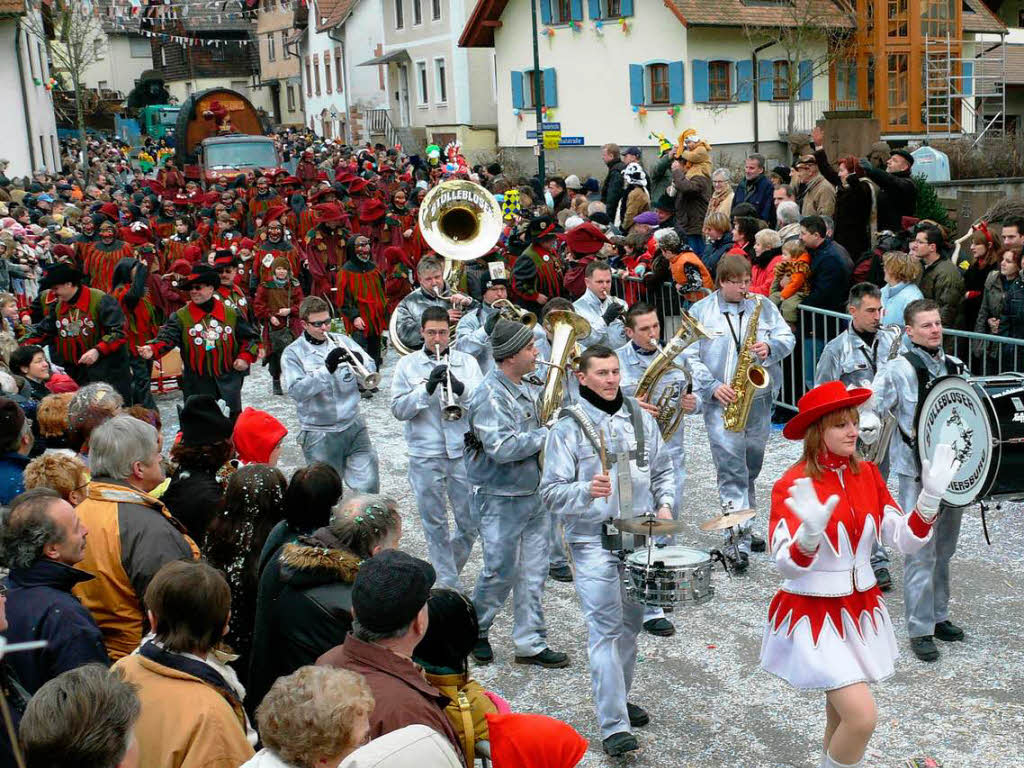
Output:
x=722 y=522
x=645 y=525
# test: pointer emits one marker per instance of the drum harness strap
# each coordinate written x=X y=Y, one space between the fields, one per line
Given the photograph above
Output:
x=924 y=382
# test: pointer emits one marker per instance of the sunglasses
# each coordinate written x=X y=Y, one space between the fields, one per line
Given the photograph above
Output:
x=318 y=323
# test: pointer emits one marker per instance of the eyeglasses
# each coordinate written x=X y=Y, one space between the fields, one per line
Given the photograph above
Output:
x=318 y=323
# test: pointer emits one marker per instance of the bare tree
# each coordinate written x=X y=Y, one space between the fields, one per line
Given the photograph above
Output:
x=812 y=35
x=74 y=38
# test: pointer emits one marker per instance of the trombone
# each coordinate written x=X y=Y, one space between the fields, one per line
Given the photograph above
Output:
x=450 y=410
x=510 y=311
x=364 y=379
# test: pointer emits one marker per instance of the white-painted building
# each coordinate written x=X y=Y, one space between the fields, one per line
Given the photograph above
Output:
x=30 y=129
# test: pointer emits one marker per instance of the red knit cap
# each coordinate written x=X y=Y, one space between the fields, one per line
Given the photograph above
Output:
x=533 y=741
x=256 y=435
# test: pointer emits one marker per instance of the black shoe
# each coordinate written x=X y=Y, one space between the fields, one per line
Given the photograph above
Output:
x=277 y=387
x=738 y=562
x=884 y=580
x=757 y=544
x=482 y=653
x=619 y=744
x=661 y=627
x=638 y=716
x=924 y=648
x=547 y=658
x=560 y=573
x=948 y=632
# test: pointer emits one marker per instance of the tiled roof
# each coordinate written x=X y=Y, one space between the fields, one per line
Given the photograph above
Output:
x=761 y=13
x=980 y=18
x=330 y=13
x=12 y=6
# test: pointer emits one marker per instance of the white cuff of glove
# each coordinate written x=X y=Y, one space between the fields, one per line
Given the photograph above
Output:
x=807 y=540
x=928 y=506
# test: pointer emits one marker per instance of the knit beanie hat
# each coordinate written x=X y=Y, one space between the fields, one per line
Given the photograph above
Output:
x=256 y=435
x=508 y=338
x=281 y=262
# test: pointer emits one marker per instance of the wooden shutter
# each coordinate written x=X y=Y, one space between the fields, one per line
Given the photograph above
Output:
x=806 y=80
x=517 y=90
x=676 y=82
x=636 y=84
x=701 y=89
x=765 y=80
x=744 y=80
x=550 y=87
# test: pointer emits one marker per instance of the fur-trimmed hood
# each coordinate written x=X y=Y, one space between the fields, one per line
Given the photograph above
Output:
x=317 y=559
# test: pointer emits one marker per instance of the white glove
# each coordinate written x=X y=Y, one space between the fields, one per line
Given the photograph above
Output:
x=936 y=475
x=803 y=502
x=870 y=427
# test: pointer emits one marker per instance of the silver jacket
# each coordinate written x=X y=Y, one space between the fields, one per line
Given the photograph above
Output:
x=410 y=310
x=427 y=435
x=325 y=402
x=471 y=336
x=592 y=309
x=570 y=463
x=633 y=363
x=503 y=416
x=713 y=361
x=894 y=390
x=848 y=359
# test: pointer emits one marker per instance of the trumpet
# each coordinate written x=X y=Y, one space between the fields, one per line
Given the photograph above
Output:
x=510 y=311
x=364 y=379
x=450 y=410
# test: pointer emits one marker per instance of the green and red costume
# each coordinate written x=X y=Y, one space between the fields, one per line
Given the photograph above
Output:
x=266 y=251
x=543 y=278
x=161 y=226
x=101 y=259
x=325 y=254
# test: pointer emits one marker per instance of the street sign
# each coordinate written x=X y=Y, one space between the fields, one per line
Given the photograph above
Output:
x=551 y=126
x=571 y=141
x=551 y=139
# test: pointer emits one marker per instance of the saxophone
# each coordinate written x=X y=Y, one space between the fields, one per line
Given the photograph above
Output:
x=748 y=378
x=876 y=453
x=670 y=412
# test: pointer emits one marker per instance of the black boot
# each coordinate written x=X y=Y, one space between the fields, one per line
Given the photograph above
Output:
x=277 y=387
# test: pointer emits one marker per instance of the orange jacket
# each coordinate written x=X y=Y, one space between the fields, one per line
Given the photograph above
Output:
x=678 y=263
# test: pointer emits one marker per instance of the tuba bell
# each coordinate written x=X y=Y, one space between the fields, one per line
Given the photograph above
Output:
x=565 y=327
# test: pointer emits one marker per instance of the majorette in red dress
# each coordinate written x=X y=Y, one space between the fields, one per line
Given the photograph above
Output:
x=828 y=626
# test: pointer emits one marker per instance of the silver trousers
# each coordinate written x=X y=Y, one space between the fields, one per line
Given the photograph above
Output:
x=349 y=452
x=926 y=572
x=613 y=623
x=432 y=479
x=515 y=533
x=556 y=546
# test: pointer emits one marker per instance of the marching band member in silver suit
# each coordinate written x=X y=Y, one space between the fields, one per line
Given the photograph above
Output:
x=738 y=456
x=326 y=393
x=430 y=273
x=471 y=334
x=603 y=311
x=854 y=357
x=502 y=462
x=435 y=444
x=644 y=329
x=585 y=494
x=896 y=388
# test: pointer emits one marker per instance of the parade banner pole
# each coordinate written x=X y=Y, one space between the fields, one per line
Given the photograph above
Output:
x=538 y=95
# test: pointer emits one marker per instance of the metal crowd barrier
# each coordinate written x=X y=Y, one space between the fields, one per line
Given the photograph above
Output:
x=663 y=296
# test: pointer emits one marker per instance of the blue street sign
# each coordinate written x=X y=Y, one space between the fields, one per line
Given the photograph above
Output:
x=571 y=141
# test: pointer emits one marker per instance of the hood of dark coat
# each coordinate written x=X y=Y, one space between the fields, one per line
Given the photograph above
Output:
x=315 y=560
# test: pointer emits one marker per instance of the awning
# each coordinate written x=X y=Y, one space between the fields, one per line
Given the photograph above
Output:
x=400 y=55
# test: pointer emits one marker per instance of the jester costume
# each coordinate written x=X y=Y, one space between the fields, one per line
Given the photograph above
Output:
x=175 y=245
x=267 y=250
x=535 y=272
x=162 y=226
x=361 y=294
x=260 y=204
x=100 y=260
x=324 y=247
x=271 y=297
x=140 y=325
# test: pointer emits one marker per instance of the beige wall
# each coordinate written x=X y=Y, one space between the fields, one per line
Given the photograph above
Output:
x=277 y=24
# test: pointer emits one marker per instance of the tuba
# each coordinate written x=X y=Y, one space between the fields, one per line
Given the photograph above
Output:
x=670 y=412
x=748 y=378
x=460 y=221
x=876 y=453
x=565 y=327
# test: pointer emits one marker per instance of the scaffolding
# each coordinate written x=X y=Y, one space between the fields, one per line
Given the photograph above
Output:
x=964 y=94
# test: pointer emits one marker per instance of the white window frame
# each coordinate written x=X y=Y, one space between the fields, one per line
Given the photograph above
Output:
x=290 y=97
x=422 y=85
x=417 y=10
x=271 y=48
x=435 y=10
x=440 y=80
x=140 y=41
x=399 y=14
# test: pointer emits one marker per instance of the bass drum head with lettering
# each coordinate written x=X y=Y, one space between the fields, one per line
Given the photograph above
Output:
x=957 y=413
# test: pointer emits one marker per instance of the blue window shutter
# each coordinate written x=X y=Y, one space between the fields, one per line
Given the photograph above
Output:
x=806 y=80
x=636 y=84
x=545 y=12
x=550 y=88
x=744 y=80
x=676 y=82
x=701 y=90
x=577 y=10
x=595 y=8
x=517 y=90
x=626 y=7
x=765 y=80
x=968 y=85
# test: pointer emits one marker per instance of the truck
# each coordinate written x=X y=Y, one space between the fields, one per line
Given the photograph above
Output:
x=159 y=121
x=220 y=135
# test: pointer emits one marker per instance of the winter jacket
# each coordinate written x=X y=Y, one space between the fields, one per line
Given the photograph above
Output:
x=689 y=273
x=415 y=746
x=660 y=176
x=191 y=716
x=40 y=606
x=758 y=192
x=992 y=299
x=943 y=282
x=12 y=475
x=692 y=195
x=467 y=700
x=830 y=283
x=611 y=189
x=722 y=205
x=304 y=608
x=16 y=698
x=853 y=206
x=1011 y=323
x=819 y=198
x=762 y=270
x=715 y=250
x=975 y=279
x=897 y=197
x=401 y=694
x=131 y=536
x=636 y=202
x=895 y=299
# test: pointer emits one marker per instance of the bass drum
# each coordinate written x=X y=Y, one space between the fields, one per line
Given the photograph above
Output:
x=983 y=419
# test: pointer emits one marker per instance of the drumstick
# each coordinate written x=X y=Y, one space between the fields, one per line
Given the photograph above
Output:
x=604 y=452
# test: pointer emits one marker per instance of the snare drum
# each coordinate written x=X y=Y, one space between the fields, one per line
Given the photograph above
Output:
x=675 y=576
x=983 y=419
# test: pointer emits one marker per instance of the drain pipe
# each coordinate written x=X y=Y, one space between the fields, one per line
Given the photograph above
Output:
x=24 y=98
x=753 y=58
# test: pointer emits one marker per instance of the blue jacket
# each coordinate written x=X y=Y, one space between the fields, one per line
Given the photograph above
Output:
x=760 y=197
x=40 y=606
x=830 y=283
x=895 y=299
x=12 y=475
x=715 y=250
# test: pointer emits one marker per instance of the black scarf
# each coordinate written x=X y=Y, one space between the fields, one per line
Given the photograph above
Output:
x=868 y=337
x=931 y=352
x=311 y=340
x=207 y=306
x=607 y=406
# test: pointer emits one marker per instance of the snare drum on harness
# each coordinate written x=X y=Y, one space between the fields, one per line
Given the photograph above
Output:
x=669 y=576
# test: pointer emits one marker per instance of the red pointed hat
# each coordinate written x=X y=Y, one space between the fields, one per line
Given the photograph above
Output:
x=110 y=211
x=329 y=213
x=136 y=233
x=274 y=213
x=317 y=194
x=371 y=209
x=357 y=185
x=290 y=181
x=822 y=400
x=585 y=238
